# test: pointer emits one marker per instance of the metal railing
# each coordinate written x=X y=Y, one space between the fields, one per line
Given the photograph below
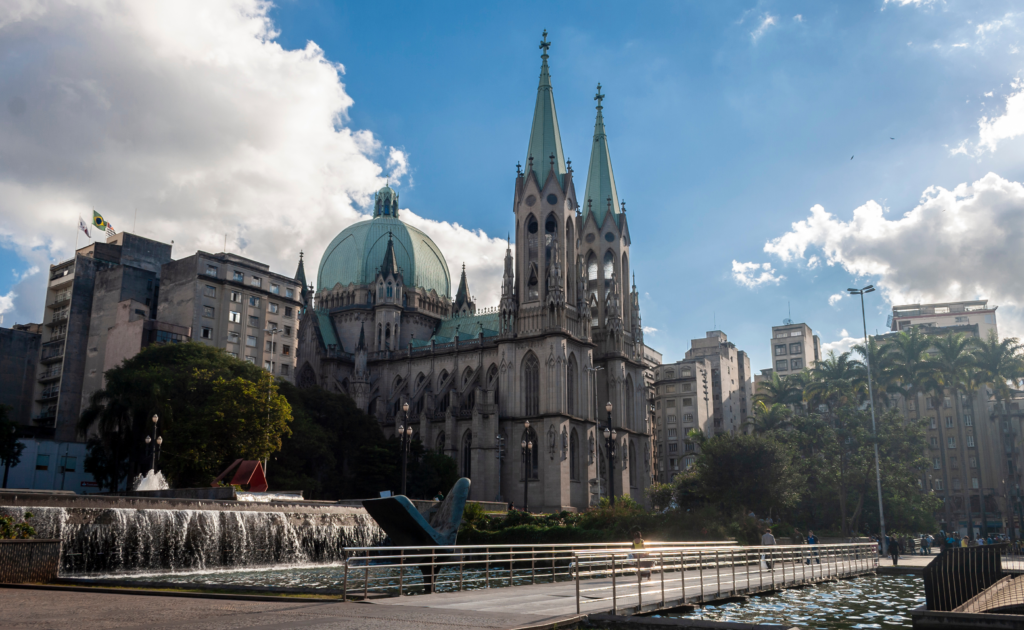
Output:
x=686 y=575
x=397 y=571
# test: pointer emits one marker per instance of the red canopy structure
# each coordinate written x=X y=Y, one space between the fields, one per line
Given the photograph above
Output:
x=248 y=473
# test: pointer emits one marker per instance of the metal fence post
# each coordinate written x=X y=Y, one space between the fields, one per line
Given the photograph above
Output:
x=366 y=574
x=533 y=565
x=462 y=569
x=732 y=555
x=401 y=570
x=700 y=568
x=661 y=561
x=615 y=606
x=576 y=561
x=487 y=567
x=344 y=583
x=718 y=575
x=639 y=585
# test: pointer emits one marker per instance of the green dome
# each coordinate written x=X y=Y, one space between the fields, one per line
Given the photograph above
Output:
x=355 y=255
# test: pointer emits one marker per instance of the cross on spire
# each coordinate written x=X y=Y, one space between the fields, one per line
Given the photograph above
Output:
x=545 y=44
x=599 y=97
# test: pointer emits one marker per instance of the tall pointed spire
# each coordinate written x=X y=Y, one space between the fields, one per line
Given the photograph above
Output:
x=462 y=298
x=545 y=139
x=601 y=194
x=390 y=265
x=300 y=275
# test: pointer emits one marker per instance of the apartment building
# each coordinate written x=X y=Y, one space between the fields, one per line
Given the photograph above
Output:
x=682 y=402
x=795 y=347
x=236 y=304
x=732 y=390
x=651 y=360
x=19 y=358
x=70 y=361
x=973 y=448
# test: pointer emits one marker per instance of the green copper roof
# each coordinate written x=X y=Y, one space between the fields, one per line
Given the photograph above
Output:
x=327 y=330
x=355 y=255
x=600 y=179
x=470 y=327
x=545 y=139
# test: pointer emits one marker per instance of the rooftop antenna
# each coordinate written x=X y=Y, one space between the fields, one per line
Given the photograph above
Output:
x=225 y=250
x=788 y=320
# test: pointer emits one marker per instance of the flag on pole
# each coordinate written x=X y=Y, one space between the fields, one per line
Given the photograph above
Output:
x=82 y=225
x=100 y=222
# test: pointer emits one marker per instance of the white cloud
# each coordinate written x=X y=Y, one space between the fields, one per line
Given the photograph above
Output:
x=798 y=18
x=960 y=149
x=903 y=3
x=845 y=343
x=834 y=298
x=7 y=302
x=191 y=112
x=962 y=45
x=959 y=244
x=1005 y=127
x=650 y=330
x=767 y=21
x=984 y=29
x=752 y=275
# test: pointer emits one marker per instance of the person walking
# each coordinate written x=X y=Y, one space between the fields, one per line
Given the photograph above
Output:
x=638 y=545
x=812 y=541
x=767 y=540
x=894 y=551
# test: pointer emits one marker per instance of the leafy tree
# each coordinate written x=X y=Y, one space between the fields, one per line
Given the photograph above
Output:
x=10 y=447
x=783 y=390
x=773 y=418
x=757 y=472
x=884 y=377
x=212 y=409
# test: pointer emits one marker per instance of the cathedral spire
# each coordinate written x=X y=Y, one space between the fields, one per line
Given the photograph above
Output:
x=390 y=265
x=300 y=276
x=600 y=189
x=545 y=139
x=462 y=297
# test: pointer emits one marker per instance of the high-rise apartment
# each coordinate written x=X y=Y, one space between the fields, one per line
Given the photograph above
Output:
x=730 y=380
x=973 y=448
x=794 y=347
x=237 y=304
x=682 y=402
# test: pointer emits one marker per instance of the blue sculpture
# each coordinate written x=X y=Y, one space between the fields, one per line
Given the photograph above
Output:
x=407 y=527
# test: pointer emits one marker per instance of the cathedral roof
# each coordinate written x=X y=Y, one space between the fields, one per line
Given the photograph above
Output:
x=355 y=255
x=545 y=139
x=600 y=178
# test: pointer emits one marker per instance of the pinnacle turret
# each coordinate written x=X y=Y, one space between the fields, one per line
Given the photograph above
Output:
x=544 y=152
x=390 y=264
x=601 y=195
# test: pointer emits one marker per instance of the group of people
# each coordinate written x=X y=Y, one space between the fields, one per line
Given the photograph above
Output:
x=768 y=539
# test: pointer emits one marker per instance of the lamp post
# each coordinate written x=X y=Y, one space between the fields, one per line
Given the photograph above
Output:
x=871 y=398
x=500 y=456
x=272 y=330
x=158 y=441
x=527 y=446
x=406 y=434
x=609 y=442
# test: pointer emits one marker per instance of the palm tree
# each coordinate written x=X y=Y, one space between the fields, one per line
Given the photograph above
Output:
x=767 y=418
x=998 y=362
x=834 y=384
x=784 y=390
x=953 y=362
x=882 y=359
x=911 y=367
x=930 y=384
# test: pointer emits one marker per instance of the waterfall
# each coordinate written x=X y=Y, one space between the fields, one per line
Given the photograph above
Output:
x=120 y=540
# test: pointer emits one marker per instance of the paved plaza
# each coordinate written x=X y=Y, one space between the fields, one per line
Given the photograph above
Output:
x=32 y=609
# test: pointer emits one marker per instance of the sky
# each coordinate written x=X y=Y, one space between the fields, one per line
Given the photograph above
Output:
x=771 y=154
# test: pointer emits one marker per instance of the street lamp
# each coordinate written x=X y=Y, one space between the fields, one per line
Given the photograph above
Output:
x=406 y=434
x=527 y=446
x=155 y=419
x=609 y=442
x=871 y=398
x=499 y=455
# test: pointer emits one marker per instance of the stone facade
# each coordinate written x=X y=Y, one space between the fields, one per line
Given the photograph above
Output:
x=565 y=338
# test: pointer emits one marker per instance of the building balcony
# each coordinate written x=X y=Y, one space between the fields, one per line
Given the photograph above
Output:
x=52 y=353
x=59 y=317
x=63 y=298
x=47 y=418
x=51 y=374
x=48 y=394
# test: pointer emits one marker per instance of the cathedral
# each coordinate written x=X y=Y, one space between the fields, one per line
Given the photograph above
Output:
x=539 y=368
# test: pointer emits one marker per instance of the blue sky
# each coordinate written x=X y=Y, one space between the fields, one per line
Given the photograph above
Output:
x=727 y=122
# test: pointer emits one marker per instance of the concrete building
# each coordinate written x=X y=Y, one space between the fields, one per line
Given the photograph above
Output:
x=81 y=300
x=974 y=451
x=794 y=348
x=565 y=338
x=945 y=315
x=231 y=302
x=19 y=359
x=730 y=380
x=682 y=402
x=652 y=359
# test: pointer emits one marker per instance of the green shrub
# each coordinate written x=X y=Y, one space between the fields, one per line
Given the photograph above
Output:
x=11 y=529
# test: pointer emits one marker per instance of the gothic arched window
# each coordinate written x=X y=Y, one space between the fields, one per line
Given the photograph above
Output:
x=439 y=447
x=467 y=454
x=550 y=232
x=533 y=465
x=531 y=385
x=574 y=456
x=390 y=290
x=533 y=284
x=532 y=246
x=570 y=387
x=632 y=465
x=609 y=269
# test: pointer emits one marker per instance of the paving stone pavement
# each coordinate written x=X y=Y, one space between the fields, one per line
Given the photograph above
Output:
x=30 y=609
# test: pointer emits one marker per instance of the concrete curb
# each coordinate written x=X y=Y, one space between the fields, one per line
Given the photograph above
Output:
x=173 y=593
